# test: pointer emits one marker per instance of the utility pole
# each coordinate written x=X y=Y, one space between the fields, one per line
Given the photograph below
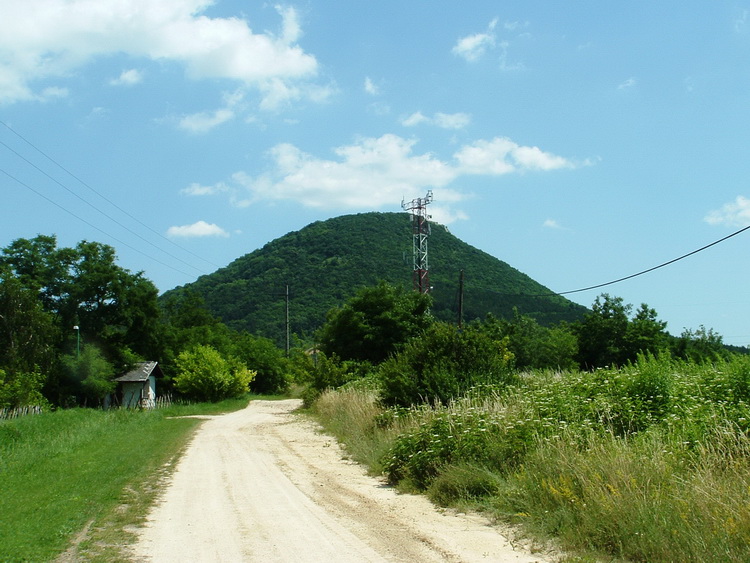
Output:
x=78 y=341
x=461 y=300
x=287 y=320
x=420 y=232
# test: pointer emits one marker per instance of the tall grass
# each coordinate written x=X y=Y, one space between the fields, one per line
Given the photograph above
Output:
x=62 y=471
x=650 y=462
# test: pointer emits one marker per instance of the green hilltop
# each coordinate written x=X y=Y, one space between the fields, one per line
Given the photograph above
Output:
x=325 y=263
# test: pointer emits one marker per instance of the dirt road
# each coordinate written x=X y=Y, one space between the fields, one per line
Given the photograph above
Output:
x=262 y=484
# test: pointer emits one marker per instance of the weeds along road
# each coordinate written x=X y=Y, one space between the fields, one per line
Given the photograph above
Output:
x=263 y=484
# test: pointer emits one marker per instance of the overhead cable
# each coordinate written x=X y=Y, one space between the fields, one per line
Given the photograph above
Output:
x=112 y=203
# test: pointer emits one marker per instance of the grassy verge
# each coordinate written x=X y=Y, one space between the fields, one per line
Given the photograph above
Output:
x=645 y=463
x=77 y=470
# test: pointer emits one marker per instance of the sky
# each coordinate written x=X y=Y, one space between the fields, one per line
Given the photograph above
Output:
x=580 y=142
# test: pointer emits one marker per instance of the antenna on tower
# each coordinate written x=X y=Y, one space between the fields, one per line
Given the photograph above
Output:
x=420 y=231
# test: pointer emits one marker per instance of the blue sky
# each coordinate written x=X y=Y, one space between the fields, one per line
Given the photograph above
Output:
x=579 y=141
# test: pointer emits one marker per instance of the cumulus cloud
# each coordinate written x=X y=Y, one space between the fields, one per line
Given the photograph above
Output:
x=415 y=119
x=444 y=120
x=45 y=40
x=197 y=229
x=373 y=173
x=473 y=47
x=502 y=156
x=129 y=77
x=204 y=121
x=734 y=214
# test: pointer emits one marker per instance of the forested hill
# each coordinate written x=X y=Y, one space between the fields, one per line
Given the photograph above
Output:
x=326 y=262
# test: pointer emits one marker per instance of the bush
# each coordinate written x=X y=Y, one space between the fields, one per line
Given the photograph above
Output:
x=204 y=375
x=443 y=363
x=266 y=359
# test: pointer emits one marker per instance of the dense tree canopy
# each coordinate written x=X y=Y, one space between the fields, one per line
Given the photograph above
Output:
x=373 y=323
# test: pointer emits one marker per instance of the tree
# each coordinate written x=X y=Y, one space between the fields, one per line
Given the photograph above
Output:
x=701 y=345
x=443 y=363
x=27 y=333
x=84 y=286
x=607 y=336
x=266 y=359
x=88 y=376
x=534 y=346
x=204 y=375
x=645 y=333
x=374 y=323
x=601 y=333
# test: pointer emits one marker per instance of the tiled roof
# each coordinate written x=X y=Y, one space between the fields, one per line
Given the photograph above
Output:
x=140 y=372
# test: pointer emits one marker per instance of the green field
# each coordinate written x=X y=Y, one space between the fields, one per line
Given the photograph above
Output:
x=83 y=470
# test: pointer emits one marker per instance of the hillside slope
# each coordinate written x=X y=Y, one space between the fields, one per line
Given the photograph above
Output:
x=326 y=262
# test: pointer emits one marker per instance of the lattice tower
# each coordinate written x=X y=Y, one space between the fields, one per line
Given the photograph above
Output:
x=420 y=231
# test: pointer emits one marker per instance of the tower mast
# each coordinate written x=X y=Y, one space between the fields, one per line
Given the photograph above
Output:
x=420 y=231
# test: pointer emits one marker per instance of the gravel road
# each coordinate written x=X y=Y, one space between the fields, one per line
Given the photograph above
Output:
x=262 y=484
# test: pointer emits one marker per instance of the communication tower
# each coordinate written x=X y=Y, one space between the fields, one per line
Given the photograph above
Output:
x=420 y=230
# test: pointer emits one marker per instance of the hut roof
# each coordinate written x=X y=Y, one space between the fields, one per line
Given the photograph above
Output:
x=141 y=372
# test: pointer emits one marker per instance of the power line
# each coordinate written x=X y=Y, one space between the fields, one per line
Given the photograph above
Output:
x=95 y=208
x=112 y=203
x=40 y=194
x=597 y=286
x=655 y=267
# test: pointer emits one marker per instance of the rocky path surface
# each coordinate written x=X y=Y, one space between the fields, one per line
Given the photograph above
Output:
x=262 y=484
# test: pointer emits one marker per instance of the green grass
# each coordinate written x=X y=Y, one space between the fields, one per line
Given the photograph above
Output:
x=72 y=470
x=650 y=462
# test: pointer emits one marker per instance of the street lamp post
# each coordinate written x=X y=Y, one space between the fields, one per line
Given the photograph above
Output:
x=78 y=341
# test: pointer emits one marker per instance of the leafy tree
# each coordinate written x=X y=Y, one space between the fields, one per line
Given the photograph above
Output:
x=187 y=323
x=374 y=323
x=607 y=336
x=534 y=346
x=89 y=376
x=266 y=359
x=204 y=375
x=84 y=286
x=645 y=333
x=701 y=345
x=443 y=363
x=601 y=333
x=21 y=388
x=27 y=334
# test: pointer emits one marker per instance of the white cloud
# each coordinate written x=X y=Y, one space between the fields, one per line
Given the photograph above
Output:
x=205 y=121
x=472 y=47
x=444 y=120
x=734 y=214
x=629 y=83
x=129 y=77
x=503 y=156
x=551 y=224
x=46 y=40
x=196 y=189
x=370 y=87
x=415 y=118
x=452 y=120
x=197 y=229
x=373 y=173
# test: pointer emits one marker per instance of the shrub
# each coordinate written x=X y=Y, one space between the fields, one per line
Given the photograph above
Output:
x=443 y=363
x=204 y=375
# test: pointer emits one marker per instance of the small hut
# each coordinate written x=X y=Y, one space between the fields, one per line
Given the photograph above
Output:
x=137 y=388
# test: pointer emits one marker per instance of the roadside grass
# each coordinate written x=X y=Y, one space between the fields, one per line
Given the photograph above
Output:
x=650 y=462
x=84 y=476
